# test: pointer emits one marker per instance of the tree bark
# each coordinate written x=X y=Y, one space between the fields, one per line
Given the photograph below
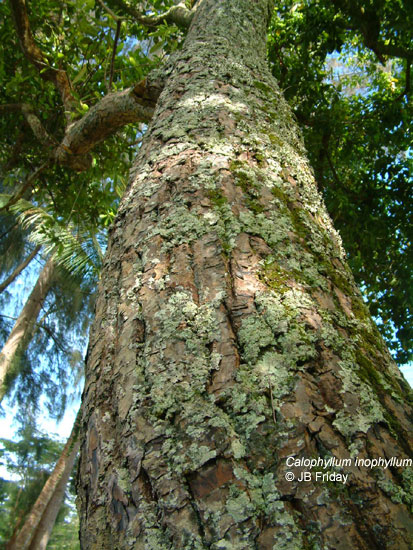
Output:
x=230 y=335
x=22 y=331
x=19 y=269
x=35 y=532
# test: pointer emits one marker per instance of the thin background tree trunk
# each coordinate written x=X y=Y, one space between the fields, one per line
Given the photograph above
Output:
x=19 y=269
x=35 y=532
x=46 y=524
x=22 y=331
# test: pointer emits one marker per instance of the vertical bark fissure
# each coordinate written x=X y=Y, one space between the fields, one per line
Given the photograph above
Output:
x=232 y=266
x=194 y=507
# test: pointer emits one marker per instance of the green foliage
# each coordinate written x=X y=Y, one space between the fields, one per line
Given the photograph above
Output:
x=66 y=212
x=12 y=243
x=52 y=366
x=65 y=533
x=29 y=462
x=72 y=246
x=342 y=66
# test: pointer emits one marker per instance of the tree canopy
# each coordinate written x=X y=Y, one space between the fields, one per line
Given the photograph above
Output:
x=344 y=66
x=79 y=82
x=30 y=461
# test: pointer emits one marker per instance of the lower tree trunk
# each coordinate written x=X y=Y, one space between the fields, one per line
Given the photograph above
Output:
x=46 y=524
x=24 y=327
x=231 y=343
x=35 y=532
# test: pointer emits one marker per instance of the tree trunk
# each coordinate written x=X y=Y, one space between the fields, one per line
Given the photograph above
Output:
x=46 y=524
x=22 y=331
x=35 y=532
x=19 y=269
x=230 y=335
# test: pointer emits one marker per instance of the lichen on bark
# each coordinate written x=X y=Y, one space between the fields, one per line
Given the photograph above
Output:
x=229 y=331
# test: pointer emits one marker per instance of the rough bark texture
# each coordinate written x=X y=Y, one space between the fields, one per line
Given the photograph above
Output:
x=35 y=533
x=106 y=117
x=22 y=331
x=230 y=335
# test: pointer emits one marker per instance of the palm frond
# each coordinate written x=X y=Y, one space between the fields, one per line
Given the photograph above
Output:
x=74 y=247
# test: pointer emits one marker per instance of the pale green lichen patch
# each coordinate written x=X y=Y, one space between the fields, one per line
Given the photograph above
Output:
x=198 y=455
x=156 y=538
x=254 y=335
x=204 y=432
x=298 y=345
x=275 y=309
x=185 y=320
x=364 y=409
x=349 y=421
x=276 y=326
x=273 y=373
x=398 y=493
x=123 y=479
x=182 y=322
x=274 y=229
x=246 y=404
x=238 y=449
x=180 y=226
x=228 y=226
x=261 y=499
x=238 y=505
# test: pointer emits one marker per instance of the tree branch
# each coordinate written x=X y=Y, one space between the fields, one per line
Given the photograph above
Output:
x=23 y=188
x=110 y=12
x=179 y=15
x=135 y=104
x=406 y=90
x=30 y=49
x=33 y=121
x=368 y=24
x=112 y=61
x=19 y=268
x=35 y=55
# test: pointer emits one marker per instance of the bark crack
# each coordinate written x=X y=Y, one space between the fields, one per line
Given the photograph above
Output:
x=192 y=502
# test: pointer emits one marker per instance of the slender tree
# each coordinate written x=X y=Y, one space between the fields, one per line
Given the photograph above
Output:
x=29 y=461
x=24 y=327
x=230 y=334
x=35 y=532
x=71 y=246
x=16 y=272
